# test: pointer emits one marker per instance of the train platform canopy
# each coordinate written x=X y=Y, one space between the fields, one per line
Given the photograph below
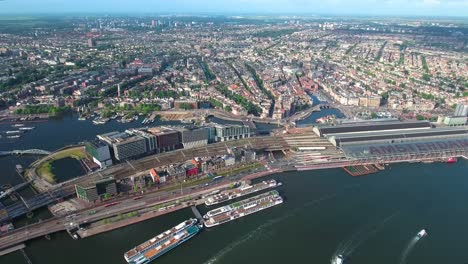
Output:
x=448 y=146
x=371 y=126
x=398 y=136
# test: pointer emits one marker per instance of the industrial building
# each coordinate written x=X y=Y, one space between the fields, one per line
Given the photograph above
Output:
x=100 y=153
x=98 y=190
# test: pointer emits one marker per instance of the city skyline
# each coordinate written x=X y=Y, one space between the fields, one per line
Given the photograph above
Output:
x=303 y=7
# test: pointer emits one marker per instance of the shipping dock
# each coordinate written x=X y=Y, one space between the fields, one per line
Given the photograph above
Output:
x=163 y=243
x=240 y=209
x=244 y=189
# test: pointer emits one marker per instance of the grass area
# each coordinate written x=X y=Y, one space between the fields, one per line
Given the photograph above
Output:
x=76 y=153
x=239 y=170
x=185 y=184
x=119 y=217
x=44 y=170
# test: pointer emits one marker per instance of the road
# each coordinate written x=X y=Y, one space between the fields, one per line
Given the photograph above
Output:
x=125 y=205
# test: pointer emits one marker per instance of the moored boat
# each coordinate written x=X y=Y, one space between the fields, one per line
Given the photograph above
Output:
x=452 y=160
x=244 y=189
x=242 y=208
x=163 y=243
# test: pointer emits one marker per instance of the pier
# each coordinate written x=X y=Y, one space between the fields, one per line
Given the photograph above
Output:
x=360 y=170
x=25 y=256
x=12 y=249
x=197 y=214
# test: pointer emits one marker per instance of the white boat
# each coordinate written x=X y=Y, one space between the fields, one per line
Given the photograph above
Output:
x=338 y=259
x=26 y=128
x=12 y=137
x=17 y=125
x=13 y=132
x=421 y=233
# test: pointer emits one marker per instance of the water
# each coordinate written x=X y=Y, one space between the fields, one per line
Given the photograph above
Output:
x=376 y=216
x=56 y=133
x=323 y=112
x=67 y=169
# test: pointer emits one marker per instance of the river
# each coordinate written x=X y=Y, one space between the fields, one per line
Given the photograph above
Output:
x=372 y=219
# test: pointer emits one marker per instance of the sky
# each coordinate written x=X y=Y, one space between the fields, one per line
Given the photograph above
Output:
x=312 y=7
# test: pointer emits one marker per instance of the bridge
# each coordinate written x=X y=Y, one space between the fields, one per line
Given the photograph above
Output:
x=24 y=206
x=25 y=152
x=13 y=189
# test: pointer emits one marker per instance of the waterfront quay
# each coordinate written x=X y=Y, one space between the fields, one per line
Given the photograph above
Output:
x=295 y=150
x=103 y=211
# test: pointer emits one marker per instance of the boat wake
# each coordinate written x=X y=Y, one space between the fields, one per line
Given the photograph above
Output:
x=348 y=246
x=260 y=231
x=411 y=244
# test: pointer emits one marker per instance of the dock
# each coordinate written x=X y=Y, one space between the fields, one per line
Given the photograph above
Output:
x=360 y=170
x=197 y=214
x=12 y=249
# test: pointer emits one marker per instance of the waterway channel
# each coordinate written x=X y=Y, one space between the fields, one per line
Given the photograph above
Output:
x=372 y=218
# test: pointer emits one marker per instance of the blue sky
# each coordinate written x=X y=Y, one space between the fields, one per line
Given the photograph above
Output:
x=352 y=7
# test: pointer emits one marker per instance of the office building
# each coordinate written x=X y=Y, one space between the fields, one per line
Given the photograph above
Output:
x=150 y=139
x=461 y=110
x=100 y=153
x=167 y=139
x=455 y=120
x=125 y=146
x=231 y=132
x=193 y=137
x=97 y=190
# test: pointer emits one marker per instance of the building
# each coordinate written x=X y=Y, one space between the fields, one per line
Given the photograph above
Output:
x=461 y=110
x=150 y=139
x=154 y=176
x=193 y=137
x=100 y=153
x=211 y=134
x=455 y=120
x=91 y=43
x=98 y=190
x=389 y=140
x=145 y=71
x=176 y=172
x=125 y=146
x=366 y=126
x=229 y=161
x=231 y=132
x=167 y=139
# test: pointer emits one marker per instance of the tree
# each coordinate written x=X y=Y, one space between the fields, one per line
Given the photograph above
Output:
x=228 y=108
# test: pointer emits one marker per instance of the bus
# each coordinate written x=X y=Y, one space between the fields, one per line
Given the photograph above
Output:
x=218 y=178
